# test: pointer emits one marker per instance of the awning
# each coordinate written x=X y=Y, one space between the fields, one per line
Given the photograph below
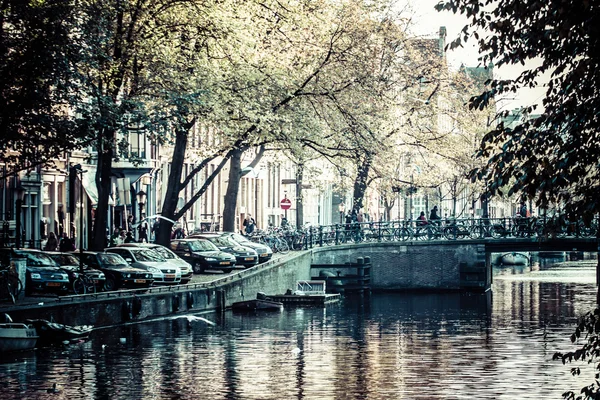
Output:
x=88 y=181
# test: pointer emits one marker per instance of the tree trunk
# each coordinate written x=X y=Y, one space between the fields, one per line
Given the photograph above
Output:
x=173 y=186
x=299 y=203
x=104 y=185
x=233 y=186
x=360 y=183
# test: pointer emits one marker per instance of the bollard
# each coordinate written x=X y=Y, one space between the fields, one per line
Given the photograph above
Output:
x=190 y=300
x=175 y=303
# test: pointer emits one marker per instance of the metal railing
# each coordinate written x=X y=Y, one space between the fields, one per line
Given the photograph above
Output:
x=416 y=230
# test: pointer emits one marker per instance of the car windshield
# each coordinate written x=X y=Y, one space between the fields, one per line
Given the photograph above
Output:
x=65 y=259
x=239 y=238
x=201 y=245
x=163 y=251
x=147 y=255
x=111 y=259
x=38 y=259
x=223 y=241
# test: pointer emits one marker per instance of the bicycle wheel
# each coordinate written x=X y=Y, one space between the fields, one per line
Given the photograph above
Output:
x=431 y=232
x=14 y=287
x=474 y=232
x=79 y=286
x=450 y=232
x=498 y=231
x=282 y=246
x=90 y=285
x=405 y=234
x=477 y=232
x=387 y=235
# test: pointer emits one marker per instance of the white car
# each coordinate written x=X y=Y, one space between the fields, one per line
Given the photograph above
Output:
x=184 y=266
x=163 y=271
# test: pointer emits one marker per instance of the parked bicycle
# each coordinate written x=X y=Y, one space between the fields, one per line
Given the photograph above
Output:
x=10 y=285
x=84 y=284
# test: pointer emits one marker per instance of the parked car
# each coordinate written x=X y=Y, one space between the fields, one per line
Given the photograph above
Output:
x=203 y=255
x=70 y=263
x=184 y=266
x=42 y=273
x=244 y=255
x=265 y=253
x=163 y=271
x=119 y=274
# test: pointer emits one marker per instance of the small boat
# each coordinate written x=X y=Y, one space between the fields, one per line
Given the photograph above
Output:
x=257 y=305
x=52 y=332
x=16 y=336
x=513 y=259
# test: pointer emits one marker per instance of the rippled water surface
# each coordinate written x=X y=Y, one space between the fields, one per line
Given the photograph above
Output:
x=388 y=346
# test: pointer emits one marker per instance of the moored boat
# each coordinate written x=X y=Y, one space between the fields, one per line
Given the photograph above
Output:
x=257 y=305
x=513 y=259
x=16 y=336
x=52 y=332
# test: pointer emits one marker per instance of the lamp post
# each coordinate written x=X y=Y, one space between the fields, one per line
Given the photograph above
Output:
x=19 y=196
x=141 y=200
x=80 y=171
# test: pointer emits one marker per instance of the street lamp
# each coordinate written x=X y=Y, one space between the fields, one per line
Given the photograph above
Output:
x=141 y=200
x=19 y=197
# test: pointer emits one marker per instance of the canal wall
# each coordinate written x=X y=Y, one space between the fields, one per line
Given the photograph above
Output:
x=428 y=266
x=431 y=265
x=114 y=308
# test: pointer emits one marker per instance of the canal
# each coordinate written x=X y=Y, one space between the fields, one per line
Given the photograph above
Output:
x=389 y=346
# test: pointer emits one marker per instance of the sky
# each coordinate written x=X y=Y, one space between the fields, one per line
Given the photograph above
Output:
x=428 y=21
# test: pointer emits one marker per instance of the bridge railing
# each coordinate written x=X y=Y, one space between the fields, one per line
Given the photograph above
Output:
x=443 y=229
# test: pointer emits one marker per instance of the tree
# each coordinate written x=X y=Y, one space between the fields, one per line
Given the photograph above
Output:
x=38 y=81
x=553 y=158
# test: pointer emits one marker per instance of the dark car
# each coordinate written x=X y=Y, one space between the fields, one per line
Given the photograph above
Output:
x=43 y=273
x=244 y=256
x=119 y=275
x=70 y=263
x=265 y=253
x=203 y=255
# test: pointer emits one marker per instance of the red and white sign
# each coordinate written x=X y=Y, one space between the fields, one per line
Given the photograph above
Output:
x=285 y=203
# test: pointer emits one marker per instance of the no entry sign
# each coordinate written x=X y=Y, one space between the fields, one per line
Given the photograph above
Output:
x=285 y=203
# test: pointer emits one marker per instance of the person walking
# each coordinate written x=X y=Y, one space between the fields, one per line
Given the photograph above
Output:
x=52 y=243
x=249 y=224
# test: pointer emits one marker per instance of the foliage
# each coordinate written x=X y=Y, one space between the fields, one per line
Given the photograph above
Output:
x=552 y=158
x=587 y=330
x=37 y=83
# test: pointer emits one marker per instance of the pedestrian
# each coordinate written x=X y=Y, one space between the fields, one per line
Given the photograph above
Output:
x=52 y=243
x=129 y=238
x=66 y=243
x=143 y=232
x=249 y=224
x=433 y=215
x=422 y=219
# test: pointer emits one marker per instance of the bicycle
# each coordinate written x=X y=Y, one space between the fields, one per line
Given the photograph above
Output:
x=84 y=284
x=10 y=285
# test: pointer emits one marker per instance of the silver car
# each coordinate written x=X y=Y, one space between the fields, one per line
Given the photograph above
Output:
x=163 y=272
x=184 y=266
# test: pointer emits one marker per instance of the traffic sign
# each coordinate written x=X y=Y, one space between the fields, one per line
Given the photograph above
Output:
x=285 y=203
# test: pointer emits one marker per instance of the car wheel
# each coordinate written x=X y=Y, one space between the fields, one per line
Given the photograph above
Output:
x=110 y=284
x=197 y=267
x=228 y=270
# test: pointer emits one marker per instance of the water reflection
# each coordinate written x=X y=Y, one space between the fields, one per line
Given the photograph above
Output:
x=393 y=345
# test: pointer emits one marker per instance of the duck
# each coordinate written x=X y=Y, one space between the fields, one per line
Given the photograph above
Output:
x=53 y=389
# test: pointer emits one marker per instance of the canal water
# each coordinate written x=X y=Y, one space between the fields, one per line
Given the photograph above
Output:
x=388 y=346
